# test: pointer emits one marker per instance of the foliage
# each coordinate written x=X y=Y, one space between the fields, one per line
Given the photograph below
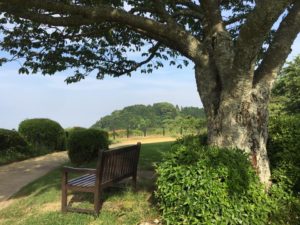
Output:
x=12 y=141
x=207 y=185
x=285 y=205
x=84 y=144
x=43 y=134
x=13 y=147
x=284 y=149
x=104 y=46
x=286 y=92
x=158 y=116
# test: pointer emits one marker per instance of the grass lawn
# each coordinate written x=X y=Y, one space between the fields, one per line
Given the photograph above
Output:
x=39 y=202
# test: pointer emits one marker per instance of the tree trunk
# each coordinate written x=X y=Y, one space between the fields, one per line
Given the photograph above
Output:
x=238 y=118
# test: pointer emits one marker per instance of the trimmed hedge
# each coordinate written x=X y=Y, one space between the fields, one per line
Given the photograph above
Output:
x=43 y=134
x=284 y=150
x=84 y=144
x=12 y=141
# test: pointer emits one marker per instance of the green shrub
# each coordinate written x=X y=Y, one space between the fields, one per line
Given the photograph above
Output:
x=285 y=205
x=205 y=185
x=12 y=141
x=284 y=150
x=13 y=147
x=43 y=134
x=84 y=144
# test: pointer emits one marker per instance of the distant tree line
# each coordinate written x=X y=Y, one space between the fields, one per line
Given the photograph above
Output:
x=158 y=118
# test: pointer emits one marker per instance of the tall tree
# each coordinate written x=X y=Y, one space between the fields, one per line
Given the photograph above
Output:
x=235 y=45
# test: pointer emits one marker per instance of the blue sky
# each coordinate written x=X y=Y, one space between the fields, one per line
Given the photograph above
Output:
x=83 y=103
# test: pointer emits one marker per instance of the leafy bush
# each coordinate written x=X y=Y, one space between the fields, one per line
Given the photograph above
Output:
x=12 y=146
x=205 y=185
x=284 y=149
x=84 y=144
x=43 y=134
x=285 y=205
x=10 y=139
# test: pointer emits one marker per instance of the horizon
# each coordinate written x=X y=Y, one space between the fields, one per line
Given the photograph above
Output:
x=85 y=102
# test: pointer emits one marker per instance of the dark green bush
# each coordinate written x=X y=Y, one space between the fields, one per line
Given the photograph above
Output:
x=204 y=185
x=13 y=147
x=284 y=150
x=84 y=144
x=43 y=134
x=12 y=141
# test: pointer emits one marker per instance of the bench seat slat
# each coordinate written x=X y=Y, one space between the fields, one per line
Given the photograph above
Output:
x=83 y=180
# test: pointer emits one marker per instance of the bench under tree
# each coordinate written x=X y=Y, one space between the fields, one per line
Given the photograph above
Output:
x=112 y=166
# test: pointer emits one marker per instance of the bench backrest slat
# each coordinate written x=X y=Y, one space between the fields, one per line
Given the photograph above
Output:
x=118 y=162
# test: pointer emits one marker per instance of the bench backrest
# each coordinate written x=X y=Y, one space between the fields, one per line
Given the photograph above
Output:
x=118 y=163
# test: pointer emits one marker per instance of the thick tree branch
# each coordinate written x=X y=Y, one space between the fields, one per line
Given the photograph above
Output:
x=213 y=14
x=173 y=36
x=219 y=39
x=253 y=33
x=280 y=48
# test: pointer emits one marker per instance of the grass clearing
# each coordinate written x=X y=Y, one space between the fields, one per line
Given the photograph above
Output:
x=39 y=202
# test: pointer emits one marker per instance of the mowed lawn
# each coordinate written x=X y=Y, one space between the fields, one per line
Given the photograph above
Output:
x=39 y=202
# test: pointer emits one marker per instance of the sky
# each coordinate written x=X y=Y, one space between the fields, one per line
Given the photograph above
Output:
x=83 y=103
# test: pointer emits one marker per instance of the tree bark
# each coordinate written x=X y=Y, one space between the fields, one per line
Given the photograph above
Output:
x=237 y=118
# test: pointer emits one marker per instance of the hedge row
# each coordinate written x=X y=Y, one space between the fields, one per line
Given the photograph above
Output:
x=84 y=144
x=43 y=134
x=34 y=137
x=13 y=147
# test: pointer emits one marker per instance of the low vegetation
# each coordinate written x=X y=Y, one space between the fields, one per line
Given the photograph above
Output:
x=84 y=144
x=35 y=137
x=198 y=184
x=13 y=146
x=43 y=134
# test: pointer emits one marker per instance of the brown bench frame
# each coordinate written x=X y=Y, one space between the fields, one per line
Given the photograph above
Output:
x=112 y=166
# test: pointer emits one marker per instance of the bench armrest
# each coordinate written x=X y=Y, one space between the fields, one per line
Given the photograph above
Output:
x=67 y=169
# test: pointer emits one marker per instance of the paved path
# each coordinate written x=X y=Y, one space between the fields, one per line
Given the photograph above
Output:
x=16 y=175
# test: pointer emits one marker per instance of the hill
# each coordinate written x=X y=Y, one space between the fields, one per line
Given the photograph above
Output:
x=156 y=118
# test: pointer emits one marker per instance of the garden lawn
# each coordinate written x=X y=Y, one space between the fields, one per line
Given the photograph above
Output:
x=39 y=202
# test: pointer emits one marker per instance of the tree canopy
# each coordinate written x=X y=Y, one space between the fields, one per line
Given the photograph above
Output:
x=100 y=35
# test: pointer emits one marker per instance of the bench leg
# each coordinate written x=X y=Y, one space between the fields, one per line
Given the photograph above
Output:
x=97 y=201
x=64 y=196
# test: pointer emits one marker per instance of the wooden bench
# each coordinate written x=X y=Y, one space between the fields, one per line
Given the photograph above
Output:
x=112 y=166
